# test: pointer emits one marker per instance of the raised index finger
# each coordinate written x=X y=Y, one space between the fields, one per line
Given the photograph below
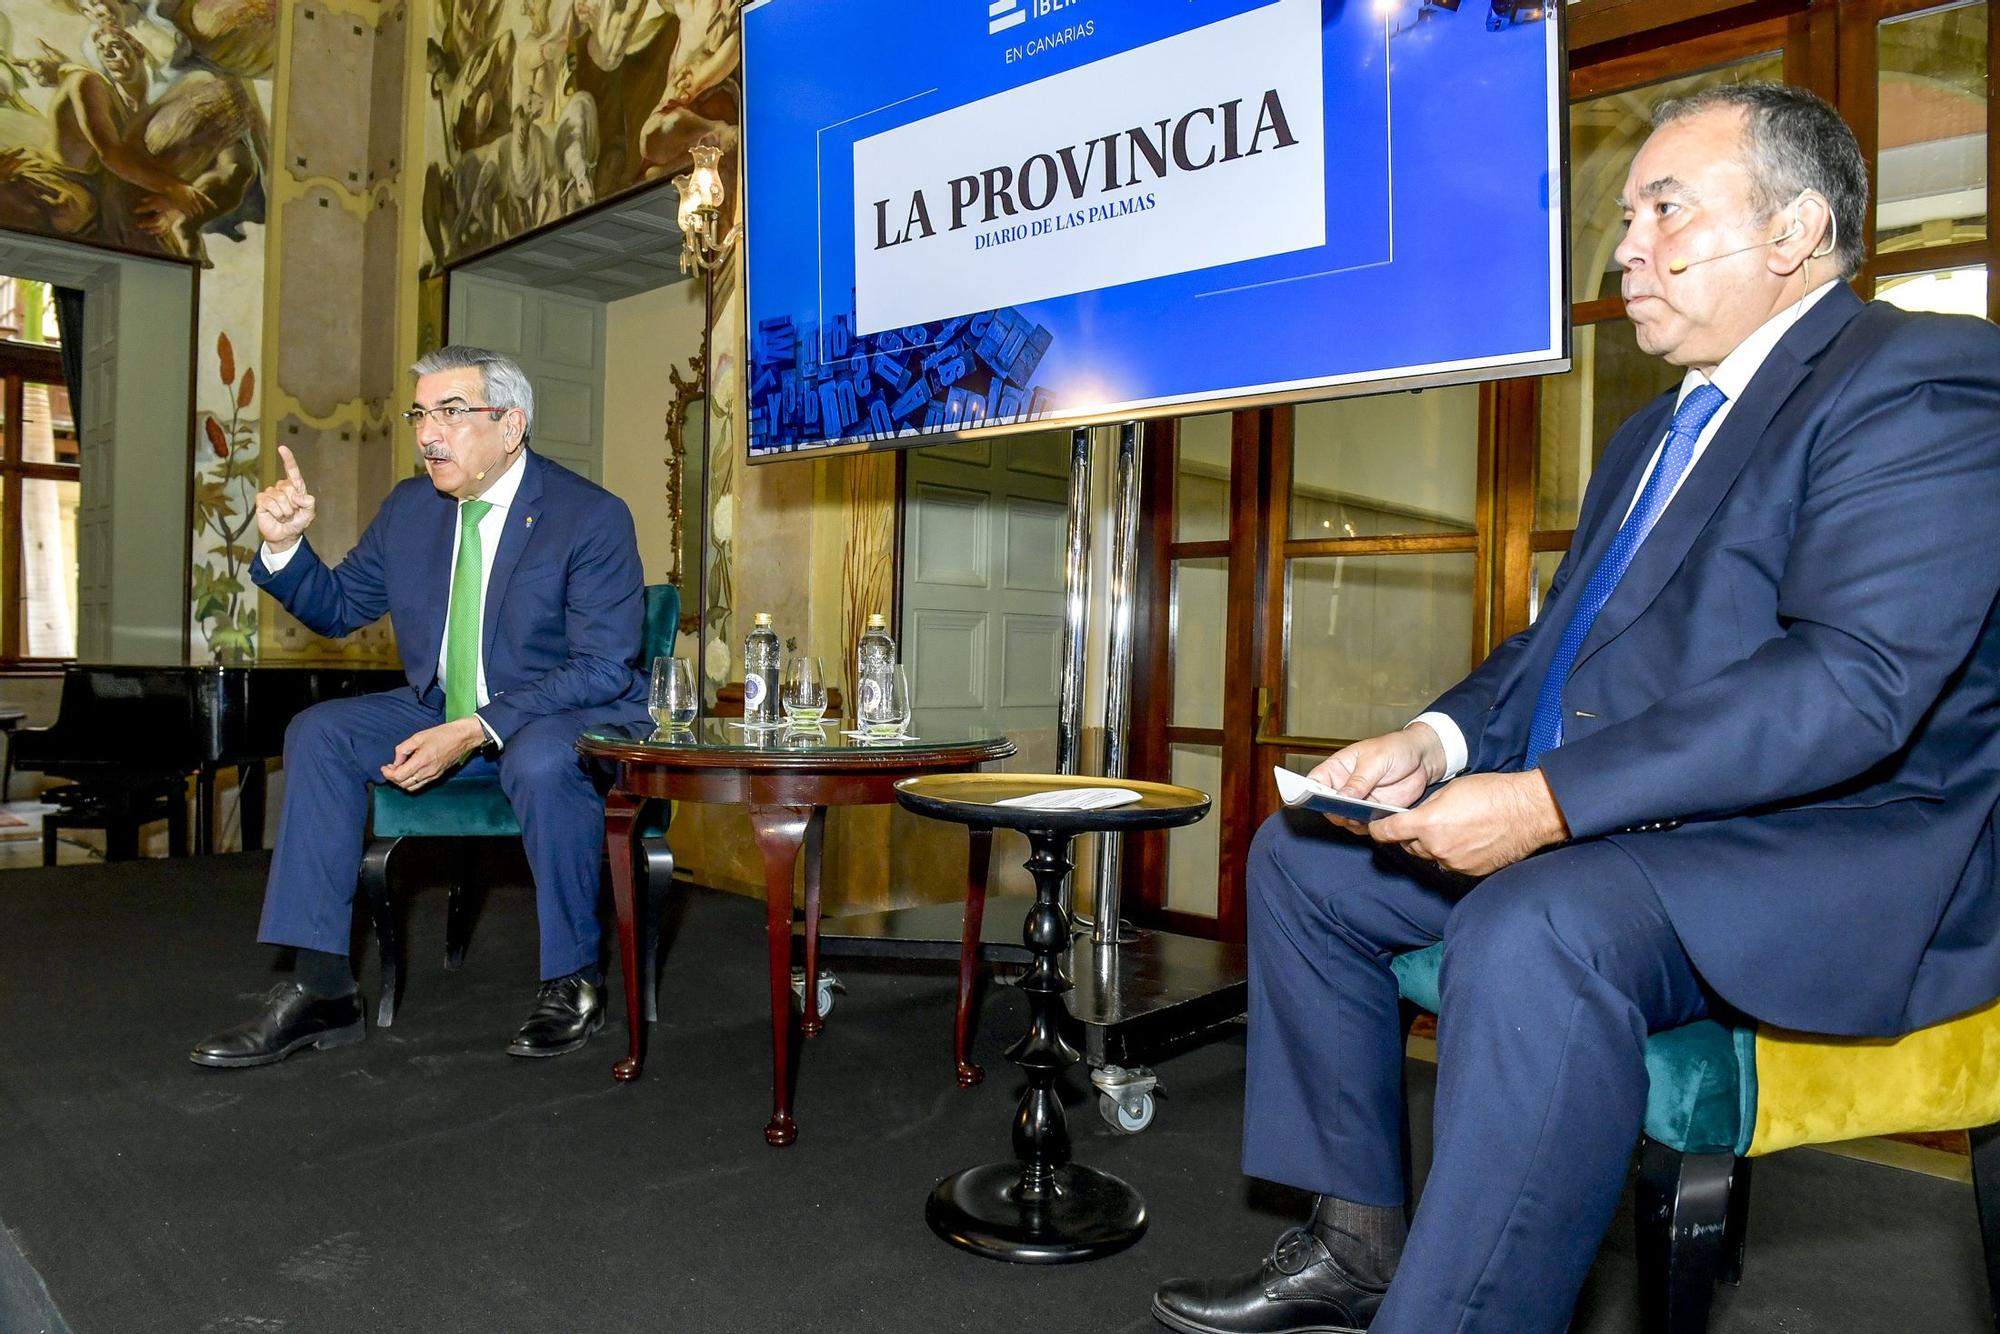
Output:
x=291 y=468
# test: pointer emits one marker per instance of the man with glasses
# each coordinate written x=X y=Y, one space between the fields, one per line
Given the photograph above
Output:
x=515 y=592
x=1745 y=762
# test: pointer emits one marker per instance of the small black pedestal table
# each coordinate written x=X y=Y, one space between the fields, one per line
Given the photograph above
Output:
x=1042 y=1208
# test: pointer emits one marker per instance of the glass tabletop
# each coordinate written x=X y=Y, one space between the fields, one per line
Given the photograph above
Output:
x=728 y=736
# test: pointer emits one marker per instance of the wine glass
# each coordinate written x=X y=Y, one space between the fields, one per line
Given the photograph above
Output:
x=884 y=707
x=804 y=692
x=671 y=698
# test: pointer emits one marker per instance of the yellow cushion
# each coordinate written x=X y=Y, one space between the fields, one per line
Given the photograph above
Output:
x=1813 y=1089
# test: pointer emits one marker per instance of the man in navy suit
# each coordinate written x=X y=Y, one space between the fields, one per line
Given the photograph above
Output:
x=1747 y=759
x=515 y=592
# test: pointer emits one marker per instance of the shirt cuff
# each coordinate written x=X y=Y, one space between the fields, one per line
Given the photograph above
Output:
x=275 y=561
x=491 y=735
x=1456 y=756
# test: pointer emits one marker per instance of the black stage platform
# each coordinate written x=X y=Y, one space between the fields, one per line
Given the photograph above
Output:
x=424 y=1181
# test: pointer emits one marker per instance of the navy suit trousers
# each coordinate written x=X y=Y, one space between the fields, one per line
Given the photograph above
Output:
x=1555 y=970
x=335 y=749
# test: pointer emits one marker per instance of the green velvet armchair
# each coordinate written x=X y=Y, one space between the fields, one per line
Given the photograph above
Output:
x=1722 y=1095
x=474 y=807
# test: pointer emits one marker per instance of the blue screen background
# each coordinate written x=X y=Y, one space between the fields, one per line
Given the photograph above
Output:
x=1471 y=277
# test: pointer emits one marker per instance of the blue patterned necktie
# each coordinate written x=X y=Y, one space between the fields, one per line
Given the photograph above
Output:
x=1546 y=732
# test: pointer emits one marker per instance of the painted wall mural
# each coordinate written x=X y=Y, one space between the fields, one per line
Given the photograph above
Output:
x=148 y=127
x=543 y=107
x=225 y=496
x=138 y=126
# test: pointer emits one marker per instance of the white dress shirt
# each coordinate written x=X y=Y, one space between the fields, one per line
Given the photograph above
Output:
x=492 y=524
x=1732 y=377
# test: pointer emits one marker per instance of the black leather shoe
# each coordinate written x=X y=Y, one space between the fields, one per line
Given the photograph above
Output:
x=567 y=1011
x=1298 y=1290
x=292 y=1019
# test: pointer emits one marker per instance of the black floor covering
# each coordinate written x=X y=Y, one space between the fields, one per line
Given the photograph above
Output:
x=425 y=1181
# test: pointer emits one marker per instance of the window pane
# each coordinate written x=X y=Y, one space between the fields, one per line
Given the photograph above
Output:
x=1610 y=379
x=28 y=312
x=1194 y=851
x=48 y=568
x=1373 y=639
x=48 y=427
x=1604 y=134
x=1396 y=463
x=1931 y=129
x=1201 y=601
x=1201 y=481
x=1947 y=291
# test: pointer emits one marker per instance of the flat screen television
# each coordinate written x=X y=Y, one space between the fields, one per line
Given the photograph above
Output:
x=970 y=217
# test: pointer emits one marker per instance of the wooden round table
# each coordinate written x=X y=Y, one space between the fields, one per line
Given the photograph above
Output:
x=787 y=778
x=1042 y=1208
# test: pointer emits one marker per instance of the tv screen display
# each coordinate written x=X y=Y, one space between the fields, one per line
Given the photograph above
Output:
x=977 y=216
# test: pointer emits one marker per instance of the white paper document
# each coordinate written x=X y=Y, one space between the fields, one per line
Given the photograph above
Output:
x=1074 y=799
x=1298 y=790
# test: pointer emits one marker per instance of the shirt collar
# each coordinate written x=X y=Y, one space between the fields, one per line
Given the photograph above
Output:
x=501 y=494
x=1733 y=376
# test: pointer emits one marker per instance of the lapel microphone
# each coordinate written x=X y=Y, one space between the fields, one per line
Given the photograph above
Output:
x=1683 y=264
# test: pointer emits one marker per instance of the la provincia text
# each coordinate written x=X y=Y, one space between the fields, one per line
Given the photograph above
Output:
x=1196 y=140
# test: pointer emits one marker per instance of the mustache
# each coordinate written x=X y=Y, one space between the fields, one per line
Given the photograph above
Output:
x=436 y=454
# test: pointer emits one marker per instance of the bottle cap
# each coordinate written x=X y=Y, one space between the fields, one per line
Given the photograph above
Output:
x=877 y=618
x=763 y=618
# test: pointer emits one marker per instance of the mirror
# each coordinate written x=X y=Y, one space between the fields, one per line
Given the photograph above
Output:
x=686 y=418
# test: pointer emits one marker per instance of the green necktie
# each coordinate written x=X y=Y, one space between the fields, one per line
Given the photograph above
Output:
x=461 y=657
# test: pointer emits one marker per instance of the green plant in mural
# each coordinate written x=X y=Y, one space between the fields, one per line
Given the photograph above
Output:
x=225 y=510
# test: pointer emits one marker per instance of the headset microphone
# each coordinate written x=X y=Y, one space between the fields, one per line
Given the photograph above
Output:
x=1683 y=264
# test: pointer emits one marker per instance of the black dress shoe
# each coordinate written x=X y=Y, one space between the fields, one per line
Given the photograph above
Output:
x=567 y=1011
x=292 y=1019
x=1298 y=1290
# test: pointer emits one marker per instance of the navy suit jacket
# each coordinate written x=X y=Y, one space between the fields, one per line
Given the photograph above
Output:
x=1788 y=714
x=564 y=604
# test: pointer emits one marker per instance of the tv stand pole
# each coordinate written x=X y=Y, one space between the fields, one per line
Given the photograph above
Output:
x=1139 y=995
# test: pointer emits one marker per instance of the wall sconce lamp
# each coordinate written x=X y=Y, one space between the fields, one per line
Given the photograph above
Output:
x=700 y=214
x=702 y=250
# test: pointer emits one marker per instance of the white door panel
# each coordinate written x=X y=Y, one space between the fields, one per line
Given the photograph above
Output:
x=983 y=587
x=559 y=341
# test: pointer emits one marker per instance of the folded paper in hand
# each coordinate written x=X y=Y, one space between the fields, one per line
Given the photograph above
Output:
x=1074 y=799
x=1298 y=790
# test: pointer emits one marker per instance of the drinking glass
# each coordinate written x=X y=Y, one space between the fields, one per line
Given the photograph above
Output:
x=671 y=699
x=884 y=707
x=804 y=692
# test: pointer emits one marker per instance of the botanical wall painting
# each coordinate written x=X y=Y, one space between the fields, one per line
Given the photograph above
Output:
x=226 y=482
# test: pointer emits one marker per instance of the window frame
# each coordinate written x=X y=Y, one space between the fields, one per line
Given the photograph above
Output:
x=20 y=365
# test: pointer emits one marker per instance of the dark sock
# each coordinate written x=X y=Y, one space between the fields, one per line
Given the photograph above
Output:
x=325 y=975
x=1365 y=1240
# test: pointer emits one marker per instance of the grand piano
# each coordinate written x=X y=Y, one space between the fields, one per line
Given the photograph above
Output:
x=127 y=736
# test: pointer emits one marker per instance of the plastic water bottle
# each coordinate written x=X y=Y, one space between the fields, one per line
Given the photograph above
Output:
x=873 y=656
x=760 y=672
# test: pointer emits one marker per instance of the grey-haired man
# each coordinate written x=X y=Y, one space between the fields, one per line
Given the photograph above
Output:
x=515 y=592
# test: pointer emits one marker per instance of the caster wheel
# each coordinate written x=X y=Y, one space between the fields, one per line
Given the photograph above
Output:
x=824 y=994
x=1118 y=1118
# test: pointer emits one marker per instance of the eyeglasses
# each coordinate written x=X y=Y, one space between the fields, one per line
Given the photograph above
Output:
x=451 y=414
